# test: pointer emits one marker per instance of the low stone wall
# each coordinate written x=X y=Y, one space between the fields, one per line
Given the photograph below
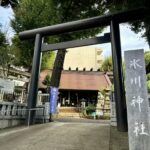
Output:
x=12 y=114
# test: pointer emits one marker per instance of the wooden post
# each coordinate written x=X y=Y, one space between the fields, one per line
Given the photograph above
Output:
x=137 y=101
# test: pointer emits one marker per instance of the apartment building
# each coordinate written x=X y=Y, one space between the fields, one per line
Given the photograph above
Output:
x=83 y=58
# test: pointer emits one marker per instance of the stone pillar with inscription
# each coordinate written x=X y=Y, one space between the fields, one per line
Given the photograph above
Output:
x=137 y=101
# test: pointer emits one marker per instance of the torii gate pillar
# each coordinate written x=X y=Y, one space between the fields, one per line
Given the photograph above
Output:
x=118 y=77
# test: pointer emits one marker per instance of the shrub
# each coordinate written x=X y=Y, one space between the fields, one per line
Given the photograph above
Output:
x=148 y=85
x=90 y=109
x=148 y=76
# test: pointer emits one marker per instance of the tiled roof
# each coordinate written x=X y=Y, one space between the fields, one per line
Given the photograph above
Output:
x=81 y=80
x=84 y=80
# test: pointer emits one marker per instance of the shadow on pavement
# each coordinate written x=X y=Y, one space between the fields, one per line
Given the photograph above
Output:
x=118 y=140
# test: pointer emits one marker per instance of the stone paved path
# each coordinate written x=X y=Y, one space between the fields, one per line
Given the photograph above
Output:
x=57 y=136
x=118 y=140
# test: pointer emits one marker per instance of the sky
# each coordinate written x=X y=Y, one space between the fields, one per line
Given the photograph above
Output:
x=5 y=15
x=129 y=40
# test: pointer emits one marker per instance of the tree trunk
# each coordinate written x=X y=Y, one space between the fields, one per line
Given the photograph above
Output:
x=58 y=67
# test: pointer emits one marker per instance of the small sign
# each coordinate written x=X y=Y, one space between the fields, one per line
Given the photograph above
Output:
x=7 y=86
x=53 y=99
x=137 y=101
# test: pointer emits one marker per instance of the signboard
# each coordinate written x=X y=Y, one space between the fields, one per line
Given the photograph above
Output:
x=53 y=99
x=137 y=101
x=7 y=86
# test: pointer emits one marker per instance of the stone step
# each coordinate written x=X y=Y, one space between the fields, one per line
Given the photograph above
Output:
x=75 y=115
x=69 y=110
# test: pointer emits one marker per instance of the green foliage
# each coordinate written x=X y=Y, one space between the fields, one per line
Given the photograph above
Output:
x=23 y=51
x=137 y=26
x=148 y=76
x=147 y=62
x=48 y=60
x=47 y=80
x=7 y=3
x=90 y=109
x=112 y=87
x=2 y=39
x=147 y=57
x=148 y=85
x=74 y=10
x=32 y=14
x=6 y=57
x=38 y=13
x=107 y=64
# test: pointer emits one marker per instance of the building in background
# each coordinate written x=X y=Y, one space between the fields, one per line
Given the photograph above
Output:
x=13 y=87
x=78 y=85
x=83 y=58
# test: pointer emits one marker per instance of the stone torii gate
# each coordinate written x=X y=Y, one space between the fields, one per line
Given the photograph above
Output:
x=112 y=20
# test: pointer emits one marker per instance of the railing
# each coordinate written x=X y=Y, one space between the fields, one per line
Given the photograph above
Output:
x=15 y=110
x=39 y=113
x=15 y=113
x=42 y=98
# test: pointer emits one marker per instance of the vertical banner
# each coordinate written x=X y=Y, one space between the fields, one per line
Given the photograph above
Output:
x=137 y=101
x=53 y=99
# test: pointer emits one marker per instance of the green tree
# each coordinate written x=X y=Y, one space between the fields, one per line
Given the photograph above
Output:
x=148 y=82
x=47 y=81
x=148 y=85
x=77 y=10
x=2 y=38
x=137 y=26
x=48 y=60
x=147 y=57
x=7 y=3
x=38 y=13
x=147 y=61
x=6 y=58
x=148 y=76
x=107 y=64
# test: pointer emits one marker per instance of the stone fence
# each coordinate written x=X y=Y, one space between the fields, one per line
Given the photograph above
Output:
x=12 y=114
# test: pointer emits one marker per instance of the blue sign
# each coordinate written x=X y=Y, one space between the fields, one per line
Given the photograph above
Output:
x=53 y=99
